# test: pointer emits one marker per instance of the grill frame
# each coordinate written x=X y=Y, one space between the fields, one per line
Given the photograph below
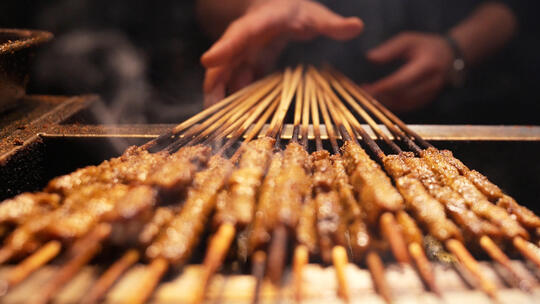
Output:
x=59 y=122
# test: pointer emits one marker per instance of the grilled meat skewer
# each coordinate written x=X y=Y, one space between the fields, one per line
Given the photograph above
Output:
x=374 y=189
x=331 y=227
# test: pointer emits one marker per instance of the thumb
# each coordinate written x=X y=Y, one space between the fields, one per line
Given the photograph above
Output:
x=333 y=25
x=389 y=50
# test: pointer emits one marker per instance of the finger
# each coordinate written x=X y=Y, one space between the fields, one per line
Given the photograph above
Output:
x=392 y=49
x=414 y=97
x=215 y=95
x=215 y=76
x=423 y=93
x=247 y=31
x=242 y=77
x=330 y=24
x=405 y=76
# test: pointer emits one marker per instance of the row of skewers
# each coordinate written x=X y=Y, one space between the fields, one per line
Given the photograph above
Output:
x=225 y=170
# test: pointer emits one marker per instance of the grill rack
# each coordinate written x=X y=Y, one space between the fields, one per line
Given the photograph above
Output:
x=59 y=124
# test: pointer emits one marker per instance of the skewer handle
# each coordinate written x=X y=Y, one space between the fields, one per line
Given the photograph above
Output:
x=424 y=267
x=301 y=259
x=33 y=262
x=528 y=250
x=112 y=274
x=74 y=265
x=154 y=272
x=219 y=245
x=376 y=269
x=276 y=254
x=463 y=255
x=392 y=233
x=259 y=261
x=340 y=260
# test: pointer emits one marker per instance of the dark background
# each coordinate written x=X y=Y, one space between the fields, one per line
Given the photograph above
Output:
x=142 y=57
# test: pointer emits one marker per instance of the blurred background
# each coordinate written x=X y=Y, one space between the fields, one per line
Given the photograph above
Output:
x=142 y=57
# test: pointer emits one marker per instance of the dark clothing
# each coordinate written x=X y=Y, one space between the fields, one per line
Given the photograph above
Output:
x=143 y=56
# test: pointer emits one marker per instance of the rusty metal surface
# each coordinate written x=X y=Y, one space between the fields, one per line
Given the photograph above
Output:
x=36 y=115
x=428 y=132
x=17 y=49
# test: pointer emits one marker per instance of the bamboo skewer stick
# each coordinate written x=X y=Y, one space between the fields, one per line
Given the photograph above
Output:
x=107 y=279
x=92 y=245
x=327 y=88
x=376 y=269
x=463 y=255
x=231 y=117
x=315 y=117
x=339 y=254
x=300 y=260
x=212 y=110
x=340 y=261
x=151 y=278
x=286 y=99
x=305 y=115
x=388 y=224
x=423 y=266
x=353 y=88
x=286 y=84
x=39 y=258
x=217 y=249
x=222 y=240
x=247 y=123
x=257 y=271
x=230 y=113
x=497 y=255
x=372 y=258
x=6 y=253
x=277 y=254
x=257 y=127
x=392 y=233
x=459 y=250
x=278 y=244
x=297 y=111
x=527 y=249
x=486 y=243
x=327 y=121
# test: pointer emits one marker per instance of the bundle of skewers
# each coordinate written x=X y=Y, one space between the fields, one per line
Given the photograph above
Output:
x=266 y=202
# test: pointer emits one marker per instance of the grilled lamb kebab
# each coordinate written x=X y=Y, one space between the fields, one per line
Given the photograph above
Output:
x=292 y=189
x=86 y=204
x=16 y=210
x=358 y=233
x=475 y=200
x=426 y=209
x=266 y=211
x=177 y=239
x=292 y=185
x=331 y=227
x=244 y=183
x=236 y=205
x=373 y=187
x=169 y=173
x=472 y=225
x=523 y=215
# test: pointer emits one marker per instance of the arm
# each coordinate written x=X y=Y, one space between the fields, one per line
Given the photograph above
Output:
x=429 y=57
x=487 y=30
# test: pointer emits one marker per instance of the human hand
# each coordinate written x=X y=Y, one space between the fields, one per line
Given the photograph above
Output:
x=250 y=45
x=428 y=60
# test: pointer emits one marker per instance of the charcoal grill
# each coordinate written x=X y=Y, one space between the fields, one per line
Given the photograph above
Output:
x=46 y=136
